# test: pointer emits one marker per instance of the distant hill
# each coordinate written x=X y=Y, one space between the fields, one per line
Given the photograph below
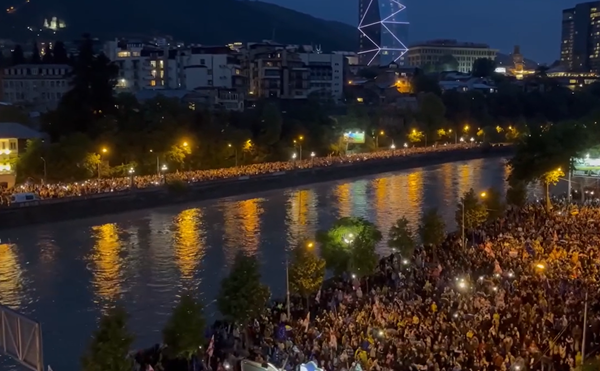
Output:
x=209 y=22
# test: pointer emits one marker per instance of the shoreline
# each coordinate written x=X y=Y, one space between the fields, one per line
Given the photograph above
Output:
x=60 y=210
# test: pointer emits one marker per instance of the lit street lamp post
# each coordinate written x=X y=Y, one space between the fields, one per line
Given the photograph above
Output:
x=157 y=164
x=131 y=175
x=312 y=159
x=235 y=153
x=44 y=180
x=377 y=138
x=164 y=173
x=104 y=150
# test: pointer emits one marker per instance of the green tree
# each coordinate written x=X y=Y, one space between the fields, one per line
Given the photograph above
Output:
x=472 y=209
x=492 y=201
x=447 y=62
x=483 y=67
x=401 y=238
x=516 y=194
x=184 y=332
x=550 y=178
x=363 y=258
x=110 y=345
x=431 y=114
x=422 y=83
x=337 y=243
x=242 y=296
x=306 y=270
x=432 y=229
x=271 y=124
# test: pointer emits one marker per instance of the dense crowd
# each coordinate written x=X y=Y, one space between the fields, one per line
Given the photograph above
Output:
x=108 y=185
x=512 y=298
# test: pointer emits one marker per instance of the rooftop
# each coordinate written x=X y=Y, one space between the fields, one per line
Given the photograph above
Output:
x=449 y=43
x=19 y=131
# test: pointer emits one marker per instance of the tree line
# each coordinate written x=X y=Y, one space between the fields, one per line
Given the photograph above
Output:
x=347 y=249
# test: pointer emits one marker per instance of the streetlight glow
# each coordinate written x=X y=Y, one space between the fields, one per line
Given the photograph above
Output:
x=104 y=150
x=483 y=194
x=164 y=167
x=185 y=144
x=294 y=156
x=312 y=154
x=393 y=146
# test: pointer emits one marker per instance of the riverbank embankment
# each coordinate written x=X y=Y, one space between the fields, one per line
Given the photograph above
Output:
x=55 y=210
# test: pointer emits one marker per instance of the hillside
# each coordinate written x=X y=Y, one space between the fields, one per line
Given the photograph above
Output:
x=214 y=22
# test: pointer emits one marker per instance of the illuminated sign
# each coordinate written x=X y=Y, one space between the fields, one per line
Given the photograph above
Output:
x=354 y=137
x=587 y=166
x=500 y=70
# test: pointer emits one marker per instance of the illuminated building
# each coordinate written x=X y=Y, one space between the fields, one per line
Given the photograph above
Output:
x=13 y=139
x=38 y=86
x=432 y=53
x=580 y=42
x=383 y=32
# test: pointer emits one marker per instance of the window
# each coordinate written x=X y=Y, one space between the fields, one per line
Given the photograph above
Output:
x=152 y=83
x=13 y=146
x=123 y=54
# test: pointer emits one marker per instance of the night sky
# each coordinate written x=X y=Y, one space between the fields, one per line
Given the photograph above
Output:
x=533 y=24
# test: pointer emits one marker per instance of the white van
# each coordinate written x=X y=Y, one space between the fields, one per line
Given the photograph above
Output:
x=19 y=198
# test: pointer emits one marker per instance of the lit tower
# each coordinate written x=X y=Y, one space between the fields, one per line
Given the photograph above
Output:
x=383 y=35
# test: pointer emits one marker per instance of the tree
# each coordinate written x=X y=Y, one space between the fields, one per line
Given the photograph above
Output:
x=447 y=63
x=110 y=345
x=47 y=58
x=59 y=53
x=473 y=211
x=242 y=296
x=550 y=178
x=483 y=67
x=337 y=243
x=401 y=238
x=184 y=332
x=363 y=258
x=492 y=200
x=271 y=124
x=35 y=54
x=516 y=194
x=422 y=83
x=431 y=113
x=416 y=136
x=306 y=270
x=432 y=228
x=17 y=56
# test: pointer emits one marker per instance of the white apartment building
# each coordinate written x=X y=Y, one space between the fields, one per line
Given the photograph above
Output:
x=141 y=65
x=40 y=87
x=205 y=67
x=430 y=52
x=326 y=78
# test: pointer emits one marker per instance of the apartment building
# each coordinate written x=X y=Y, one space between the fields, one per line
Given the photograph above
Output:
x=580 y=37
x=431 y=52
x=326 y=74
x=39 y=87
x=142 y=65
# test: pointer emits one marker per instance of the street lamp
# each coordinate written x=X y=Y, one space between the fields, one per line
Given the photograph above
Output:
x=185 y=144
x=472 y=139
x=381 y=133
x=309 y=245
x=312 y=159
x=163 y=169
x=44 y=160
x=455 y=136
x=102 y=151
x=299 y=144
x=131 y=174
x=235 y=153
x=157 y=163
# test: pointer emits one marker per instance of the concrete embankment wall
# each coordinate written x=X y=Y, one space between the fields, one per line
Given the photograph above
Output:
x=85 y=207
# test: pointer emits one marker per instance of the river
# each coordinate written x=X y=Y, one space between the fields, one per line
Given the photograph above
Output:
x=66 y=274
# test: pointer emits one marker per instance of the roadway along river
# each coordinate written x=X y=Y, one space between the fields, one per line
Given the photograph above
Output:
x=65 y=274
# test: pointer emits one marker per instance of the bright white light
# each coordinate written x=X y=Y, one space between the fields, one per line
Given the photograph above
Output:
x=405 y=262
x=312 y=154
x=393 y=146
x=405 y=145
x=294 y=156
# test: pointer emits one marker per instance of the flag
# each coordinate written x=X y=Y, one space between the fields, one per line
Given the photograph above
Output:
x=211 y=347
x=318 y=297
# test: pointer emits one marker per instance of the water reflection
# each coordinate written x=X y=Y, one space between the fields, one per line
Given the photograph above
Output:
x=301 y=213
x=242 y=227
x=189 y=245
x=11 y=283
x=344 y=199
x=106 y=263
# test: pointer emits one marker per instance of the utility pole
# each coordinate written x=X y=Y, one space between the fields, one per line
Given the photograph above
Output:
x=585 y=311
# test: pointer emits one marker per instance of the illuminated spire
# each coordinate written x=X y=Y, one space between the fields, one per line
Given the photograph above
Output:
x=383 y=18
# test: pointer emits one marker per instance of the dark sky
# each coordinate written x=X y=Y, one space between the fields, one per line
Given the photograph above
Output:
x=533 y=24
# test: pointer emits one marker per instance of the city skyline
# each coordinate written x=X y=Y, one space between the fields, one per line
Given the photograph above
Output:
x=430 y=20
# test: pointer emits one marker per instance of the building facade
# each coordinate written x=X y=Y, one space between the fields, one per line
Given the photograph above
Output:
x=38 y=87
x=580 y=37
x=13 y=140
x=383 y=32
x=431 y=53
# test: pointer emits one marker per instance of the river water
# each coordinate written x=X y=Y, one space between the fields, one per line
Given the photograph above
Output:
x=66 y=274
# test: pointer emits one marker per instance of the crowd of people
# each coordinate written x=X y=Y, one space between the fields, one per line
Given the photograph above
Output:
x=109 y=185
x=521 y=294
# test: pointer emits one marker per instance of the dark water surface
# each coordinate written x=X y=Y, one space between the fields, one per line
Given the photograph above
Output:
x=66 y=274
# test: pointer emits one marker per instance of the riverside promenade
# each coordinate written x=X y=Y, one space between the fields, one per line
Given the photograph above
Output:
x=156 y=195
